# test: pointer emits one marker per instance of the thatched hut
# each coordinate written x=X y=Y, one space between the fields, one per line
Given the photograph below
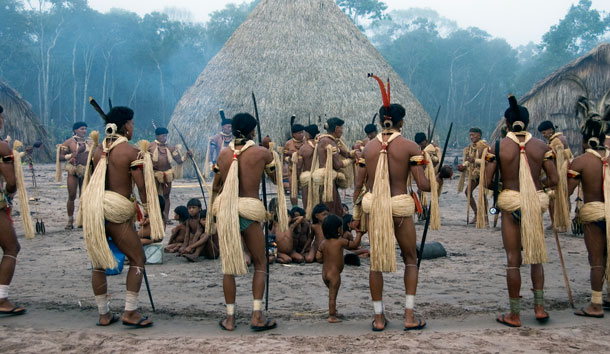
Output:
x=554 y=97
x=301 y=57
x=21 y=123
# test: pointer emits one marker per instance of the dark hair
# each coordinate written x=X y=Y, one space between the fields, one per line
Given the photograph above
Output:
x=1 y=109
x=273 y=208
x=395 y=112
x=182 y=212
x=297 y=128
x=313 y=130
x=242 y=125
x=161 y=205
x=203 y=213
x=194 y=202
x=476 y=130
x=296 y=209
x=347 y=218
x=78 y=125
x=119 y=116
x=419 y=137
x=369 y=128
x=594 y=132
x=161 y=131
x=333 y=123
x=320 y=208
x=546 y=125
x=517 y=117
x=331 y=226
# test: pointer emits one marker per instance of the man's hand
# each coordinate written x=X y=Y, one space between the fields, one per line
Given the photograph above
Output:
x=81 y=148
x=266 y=141
x=189 y=153
x=299 y=219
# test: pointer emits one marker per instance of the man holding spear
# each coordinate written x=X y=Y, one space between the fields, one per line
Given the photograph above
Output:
x=388 y=160
x=470 y=168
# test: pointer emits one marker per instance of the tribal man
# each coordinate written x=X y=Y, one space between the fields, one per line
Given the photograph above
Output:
x=8 y=238
x=470 y=169
x=333 y=159
x=371 y=133
x=305 y=160
x=109 y=209
x=388 y=161
x=163 y=157
x=220 y=140
x=522 y=202
x=291 y=152
x=559 y=206
x=239 y=212
x=592 y=169
x=74 y=152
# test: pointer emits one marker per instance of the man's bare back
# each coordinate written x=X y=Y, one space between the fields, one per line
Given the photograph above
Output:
x=251 y=166
x=118 y=178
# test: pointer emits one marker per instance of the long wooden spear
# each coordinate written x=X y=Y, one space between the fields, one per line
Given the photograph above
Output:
x=423 y=238
x=260 y=142
x=194 y=165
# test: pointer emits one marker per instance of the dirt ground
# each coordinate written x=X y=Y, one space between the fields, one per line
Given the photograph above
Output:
x=459 y=296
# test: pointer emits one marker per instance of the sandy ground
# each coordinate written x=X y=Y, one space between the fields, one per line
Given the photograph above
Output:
x=459 y=295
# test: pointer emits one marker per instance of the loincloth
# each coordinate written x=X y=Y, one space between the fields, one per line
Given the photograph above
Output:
x=75 y=170
x=164 y=177
x=510 y=201
x=117 y=208
x=338 y=177
x=402 y=205
x=593 y=212
x=250 y=210
x=304 y=178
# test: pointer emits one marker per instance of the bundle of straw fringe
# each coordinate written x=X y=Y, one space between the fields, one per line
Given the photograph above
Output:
x=24 y=207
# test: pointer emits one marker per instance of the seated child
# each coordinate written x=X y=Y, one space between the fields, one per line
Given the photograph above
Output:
x=301 y=230
x=206 y=245
x=193 y=228
x=176 y=239
x=330 y=253
x=144 y=231
x=316 y=235
x=348 y=234
x=284 y=239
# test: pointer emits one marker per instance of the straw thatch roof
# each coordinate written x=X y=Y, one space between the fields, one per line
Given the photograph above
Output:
x=302 y=57
x=554 y=97
x=21 y=123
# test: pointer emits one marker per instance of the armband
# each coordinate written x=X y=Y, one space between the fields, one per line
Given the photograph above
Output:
x=215 y=168
x=466 y=164
x=418 y=161
x=549 y=155
x=270 y=167
x=490 y=157
x=63 y=148
x=67 y=156
x=573 y=174
x=137 y=164
x=8 y=158
x=176 y=153
x=361 y=162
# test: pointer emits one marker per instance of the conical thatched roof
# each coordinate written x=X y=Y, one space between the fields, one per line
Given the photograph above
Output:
x=554 y=97
x=302 y=57
x=21 y=123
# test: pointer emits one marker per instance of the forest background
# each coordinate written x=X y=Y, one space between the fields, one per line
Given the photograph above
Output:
x=57 y=53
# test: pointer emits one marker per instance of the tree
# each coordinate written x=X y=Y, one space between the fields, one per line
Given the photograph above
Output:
x=359 y=10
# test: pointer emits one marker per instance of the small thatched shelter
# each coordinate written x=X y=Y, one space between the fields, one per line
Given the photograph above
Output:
x=301 y=57
x=554 y=97
x=21 y=123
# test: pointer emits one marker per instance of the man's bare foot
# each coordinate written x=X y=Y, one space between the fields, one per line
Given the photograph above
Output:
x=134 y=319
x=510 y=320
x=541 y=315
x=334 y=319
x=593 y=310
x=69 y=226
x=379 y=323
x=411 y=323
x=107 y=319
x=260 y=323
x=8 y=308
x=228 y=324
x=473 y=221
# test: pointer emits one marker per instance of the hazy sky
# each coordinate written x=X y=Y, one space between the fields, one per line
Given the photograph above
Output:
x=518 y=21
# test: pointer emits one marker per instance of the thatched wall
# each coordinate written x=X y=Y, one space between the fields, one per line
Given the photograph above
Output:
x=299 y=57
x=21 y=123
x=554 y=97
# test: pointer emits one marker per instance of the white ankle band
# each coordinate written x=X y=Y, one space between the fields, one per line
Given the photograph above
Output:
x=378 y=306
x=596 y=297
x=409 y=302
x=131 y=301
x=230 y=309
x=257 y=305
x=4 y=291
x=103 y=304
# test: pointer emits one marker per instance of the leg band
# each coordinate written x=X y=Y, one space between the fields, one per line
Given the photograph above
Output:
x=131 y=301
x=411 y=265
x=103 y=304
x=230 y=309
x=515 y=305
x=4 y=291
x=410 y=302
x=509 y=268
x=378 y=306
x=257 y=305
x=596 y=297
x=538 y=297
x=9 y=256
